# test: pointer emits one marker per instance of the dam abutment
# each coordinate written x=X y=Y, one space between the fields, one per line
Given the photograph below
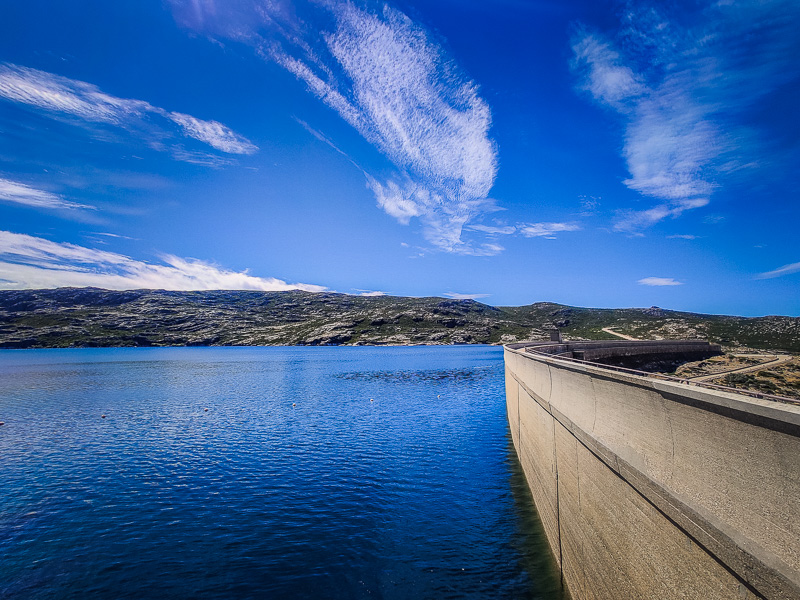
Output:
x=652 y=488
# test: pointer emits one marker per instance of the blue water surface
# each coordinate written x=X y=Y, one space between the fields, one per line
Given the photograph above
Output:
x=263 y=473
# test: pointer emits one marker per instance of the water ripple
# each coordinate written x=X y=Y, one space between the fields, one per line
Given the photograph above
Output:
x=253 y=472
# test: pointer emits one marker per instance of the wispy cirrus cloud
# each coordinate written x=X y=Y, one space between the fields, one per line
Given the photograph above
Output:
x=61 y=96
x=789 y=269
x=547 y=230
x=111 y=235
x=33 y=262
x=390 y=79
x=683 y=89
x=458 y=296
x=20 y=193
x=214 y=134
x=369 y=293
x=325 y=140
x=659 y=281
x=494 y=229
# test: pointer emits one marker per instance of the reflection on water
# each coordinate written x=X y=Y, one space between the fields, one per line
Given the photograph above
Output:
x=425 y=376
x=263 y=472
x=530 y=532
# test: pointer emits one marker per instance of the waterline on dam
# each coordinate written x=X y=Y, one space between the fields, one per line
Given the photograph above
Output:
x=651 y=488
x=251 y=472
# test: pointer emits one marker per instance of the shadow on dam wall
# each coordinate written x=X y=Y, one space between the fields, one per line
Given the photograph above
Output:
x=656 y=489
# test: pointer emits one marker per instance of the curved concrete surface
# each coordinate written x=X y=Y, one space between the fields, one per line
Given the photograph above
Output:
x=657 y=489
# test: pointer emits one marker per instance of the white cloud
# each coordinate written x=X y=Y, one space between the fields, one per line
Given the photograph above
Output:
x=546 y=230
x=19 y=193
x=60 y=94
x=486 y=249
x=606 y=78
x=33 y=262
x=457 y=296
x=111 y=235
x=400 y=91
x=386 y=76
x=682 y=236
x=784 y=270
x=398 y=203
x=635 y=220
x=682 y=88
x=369 y=293
x=412 y=103
x=494 y=230
x=669 y=141
x=214 y=134
x=204 y=159
x=64 y=96
x=417 y=200
x=589 y=205
x=669 y=144
x=659 y=281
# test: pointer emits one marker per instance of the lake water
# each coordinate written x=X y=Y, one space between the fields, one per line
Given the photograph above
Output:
x=263 y=473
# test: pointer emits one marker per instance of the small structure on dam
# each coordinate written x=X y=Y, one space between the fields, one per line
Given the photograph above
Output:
x=649 y=487
x=644 y=355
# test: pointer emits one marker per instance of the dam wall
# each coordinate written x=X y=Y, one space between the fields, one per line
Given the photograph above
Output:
x=657 y=489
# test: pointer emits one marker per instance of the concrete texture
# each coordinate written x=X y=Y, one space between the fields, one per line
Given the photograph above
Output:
x=618 y=349
x=657 y=489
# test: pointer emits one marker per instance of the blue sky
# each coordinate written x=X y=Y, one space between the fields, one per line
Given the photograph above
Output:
x=590 y=153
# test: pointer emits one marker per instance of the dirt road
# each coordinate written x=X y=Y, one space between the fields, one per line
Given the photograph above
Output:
x=774 y=361
x=622 y=335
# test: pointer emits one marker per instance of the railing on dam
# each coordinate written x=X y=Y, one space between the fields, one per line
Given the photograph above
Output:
x=651 y=488
x=558 y=350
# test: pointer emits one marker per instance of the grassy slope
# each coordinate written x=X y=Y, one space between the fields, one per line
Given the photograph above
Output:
x=86 y=316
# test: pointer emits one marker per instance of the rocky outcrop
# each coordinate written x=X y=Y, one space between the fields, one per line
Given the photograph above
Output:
x=84 y=317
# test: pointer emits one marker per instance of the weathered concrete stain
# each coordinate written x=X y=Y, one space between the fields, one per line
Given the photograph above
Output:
x=657 y=489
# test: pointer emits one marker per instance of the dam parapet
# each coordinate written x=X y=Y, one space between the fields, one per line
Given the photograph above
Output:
x=626 y=353
x=648 y=487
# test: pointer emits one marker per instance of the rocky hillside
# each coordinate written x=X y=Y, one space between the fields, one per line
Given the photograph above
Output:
x=74 y=317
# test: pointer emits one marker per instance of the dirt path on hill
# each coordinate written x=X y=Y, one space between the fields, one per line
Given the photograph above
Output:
x=774 y=362
x=622 y=335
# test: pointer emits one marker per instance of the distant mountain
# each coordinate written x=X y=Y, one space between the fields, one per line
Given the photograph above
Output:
x=89 y=317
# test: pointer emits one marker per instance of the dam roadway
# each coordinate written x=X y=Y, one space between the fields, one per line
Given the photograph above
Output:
x=654 y=488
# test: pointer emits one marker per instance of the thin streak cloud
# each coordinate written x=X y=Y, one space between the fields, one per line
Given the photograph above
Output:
x=214 y=134
x=19 y=193
x=32 y=262
x=545 y=230
x=780 y=272
x=659 y=281
x=458 y=296
x=494 y=230
x=63 y=96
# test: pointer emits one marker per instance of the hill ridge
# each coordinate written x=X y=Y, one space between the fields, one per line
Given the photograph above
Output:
x=81 y=317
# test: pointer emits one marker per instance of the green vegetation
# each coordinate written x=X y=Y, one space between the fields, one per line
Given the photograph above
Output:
x=69 y=317
x=782 y=380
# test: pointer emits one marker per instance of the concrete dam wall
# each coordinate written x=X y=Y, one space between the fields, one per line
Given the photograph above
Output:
x=657 y=489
